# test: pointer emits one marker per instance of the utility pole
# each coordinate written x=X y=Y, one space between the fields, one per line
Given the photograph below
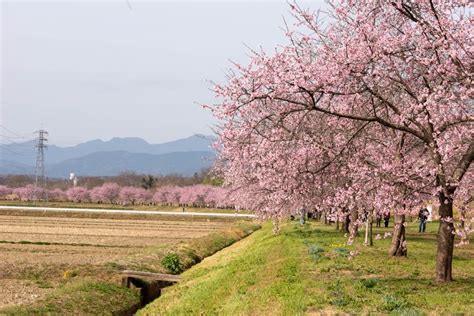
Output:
x=40 y=178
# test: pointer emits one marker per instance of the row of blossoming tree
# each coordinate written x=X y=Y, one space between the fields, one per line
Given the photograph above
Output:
x=194 y=195
x=370 y=110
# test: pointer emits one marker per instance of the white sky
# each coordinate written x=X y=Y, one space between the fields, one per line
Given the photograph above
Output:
x=86 y=69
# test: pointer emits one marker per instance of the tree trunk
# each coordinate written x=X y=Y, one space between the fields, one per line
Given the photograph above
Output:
x=366 y=240
x=371 y=221
x=463 y=217
x=353 y=228
x=347 y=222
x=325 y=215
x=444 y=257
x=337 y=222
x=398 y=247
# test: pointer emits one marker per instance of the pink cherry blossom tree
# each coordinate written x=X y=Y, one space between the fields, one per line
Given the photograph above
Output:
x=95 y=195
x=175 y=195
x=374 y=108
x=107 y=193
x=128 y=195
x=217 y=197
x=57 y=195
x=187 y=196
x=78 y=194
x=4 y=191
x=132 y=195
x=162 y=195
x=194 y=195
x=144 y=196
x=26 y=193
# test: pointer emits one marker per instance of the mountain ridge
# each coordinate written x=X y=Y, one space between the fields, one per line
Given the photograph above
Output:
x=19 y=158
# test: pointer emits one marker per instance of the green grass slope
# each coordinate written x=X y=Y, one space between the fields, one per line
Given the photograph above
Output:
x=307 y=270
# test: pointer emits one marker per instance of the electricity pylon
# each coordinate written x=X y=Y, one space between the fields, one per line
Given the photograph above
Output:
x=40 y=177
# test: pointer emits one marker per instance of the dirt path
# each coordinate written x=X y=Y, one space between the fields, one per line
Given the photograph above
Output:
x=111 y=211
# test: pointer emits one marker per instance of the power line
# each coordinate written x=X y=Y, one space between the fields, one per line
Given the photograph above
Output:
x=12 y=142
x=11 y=132
x=10 y=137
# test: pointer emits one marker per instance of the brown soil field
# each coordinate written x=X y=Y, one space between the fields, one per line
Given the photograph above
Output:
x=36 y=251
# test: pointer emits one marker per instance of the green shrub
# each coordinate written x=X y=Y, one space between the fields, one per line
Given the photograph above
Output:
x=173 y=263
x=316 y=251
x=369 y=283
x=393 y=303
x=325 y=269
x=341 y=252
x=339 y=296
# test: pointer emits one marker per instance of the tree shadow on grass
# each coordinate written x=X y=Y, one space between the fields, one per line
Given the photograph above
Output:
x=421 y=237
x=308 y=233
x=425 y=282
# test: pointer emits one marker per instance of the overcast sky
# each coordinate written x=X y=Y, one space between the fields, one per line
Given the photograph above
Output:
x=86 y=69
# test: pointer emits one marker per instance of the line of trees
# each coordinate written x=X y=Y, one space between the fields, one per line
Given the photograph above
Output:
x=199 y=195
x=123 y=179
x=370 y=111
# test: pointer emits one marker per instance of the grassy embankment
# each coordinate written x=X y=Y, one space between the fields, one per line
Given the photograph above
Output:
x=96 y=290
x=305 y=270
x=172 y=208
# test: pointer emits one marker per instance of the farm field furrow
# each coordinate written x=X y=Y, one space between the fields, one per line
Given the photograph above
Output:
x=150 y=230
x=115 y=222
x=145 y=228
x=102 y=232
x=118 y=240
x=17 y=255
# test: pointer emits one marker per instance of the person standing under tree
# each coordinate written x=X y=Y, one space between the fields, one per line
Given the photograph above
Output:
x=378 y=218
x=302 y=216
x=386 y=218
x=423 y=218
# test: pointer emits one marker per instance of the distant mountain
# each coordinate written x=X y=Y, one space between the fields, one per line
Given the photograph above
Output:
x=113 y=156
x=112 y=163
x=13 y=167
x=25 y=153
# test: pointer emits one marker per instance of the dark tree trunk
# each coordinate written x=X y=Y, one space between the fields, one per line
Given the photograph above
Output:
x=398 y=247
x=463 y=216
x=337 y=222
x=347 y=222
x=444 y=257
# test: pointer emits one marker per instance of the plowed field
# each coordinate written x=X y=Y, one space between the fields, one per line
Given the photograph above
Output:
x=30 y=246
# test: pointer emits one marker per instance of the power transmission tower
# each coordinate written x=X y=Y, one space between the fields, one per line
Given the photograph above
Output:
x=40 y=178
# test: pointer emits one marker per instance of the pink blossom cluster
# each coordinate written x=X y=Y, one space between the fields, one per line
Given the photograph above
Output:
x=371 y=110
x=194 y=195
